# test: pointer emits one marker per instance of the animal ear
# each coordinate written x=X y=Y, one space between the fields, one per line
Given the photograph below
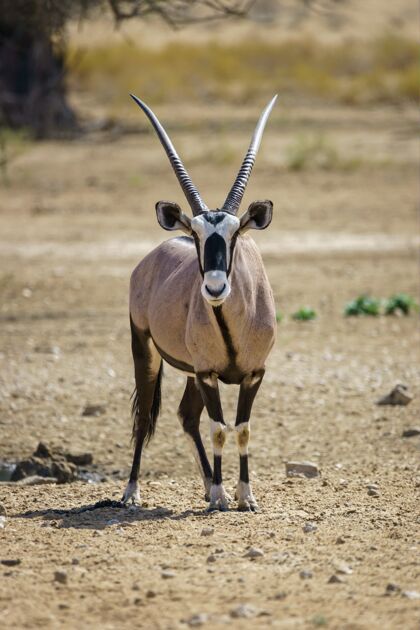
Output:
x=257 y=217
x=171 y=217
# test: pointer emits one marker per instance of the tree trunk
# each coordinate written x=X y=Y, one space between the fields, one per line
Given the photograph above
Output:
x=32 y=86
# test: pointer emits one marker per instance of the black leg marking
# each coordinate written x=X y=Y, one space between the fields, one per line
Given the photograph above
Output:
x=217 y=476
x=189 y=413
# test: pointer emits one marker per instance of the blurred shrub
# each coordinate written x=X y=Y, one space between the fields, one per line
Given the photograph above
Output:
x=304 y=314
x=383 y=70
x=363 y=305
x=400 y=303
x=316 y=151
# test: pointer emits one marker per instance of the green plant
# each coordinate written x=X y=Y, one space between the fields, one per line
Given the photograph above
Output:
x=279 y=316
x=304 y=314
x=319 y=620
x=363 y=305
x=400 y=302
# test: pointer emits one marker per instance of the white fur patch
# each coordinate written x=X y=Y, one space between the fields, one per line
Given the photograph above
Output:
x=218 y=436
x=242 y=437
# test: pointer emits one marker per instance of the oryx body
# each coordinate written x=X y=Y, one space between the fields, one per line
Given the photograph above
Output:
x=202 y=302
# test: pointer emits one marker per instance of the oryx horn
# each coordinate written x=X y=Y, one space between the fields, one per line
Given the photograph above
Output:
x=190 y=191
x=234 y=198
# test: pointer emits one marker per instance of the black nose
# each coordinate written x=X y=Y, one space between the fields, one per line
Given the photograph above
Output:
x=217 y=292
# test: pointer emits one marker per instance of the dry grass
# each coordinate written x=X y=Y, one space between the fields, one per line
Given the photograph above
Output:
x=385 y=70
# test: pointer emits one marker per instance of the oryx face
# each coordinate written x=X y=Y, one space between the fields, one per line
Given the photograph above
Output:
x=215 y=234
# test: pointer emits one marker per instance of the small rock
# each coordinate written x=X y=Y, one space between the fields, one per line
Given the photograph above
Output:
x=302 y=469
x=197 y=620
x=2 y=510
x=340 y=541
x=411 y=594
x=392 y=588
x=244 y=611
x=211 y=558
x=94 y=410
x=254 y=552
x=207 y=531
x=2 y=522
x=397 y=396
x=60 y=577
x=281 y=595
x=167 y=574
x=342 y=567
x=36 y=480
x=373 y=493
x=11 y=562
x=151 y=594
x=408 y=433
x=335 y=579
x=43 y=450
x=309 y=527
x=305 y=574
x=80 y=459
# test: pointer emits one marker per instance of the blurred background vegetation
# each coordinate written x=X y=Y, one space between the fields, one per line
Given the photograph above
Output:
x=199 y=51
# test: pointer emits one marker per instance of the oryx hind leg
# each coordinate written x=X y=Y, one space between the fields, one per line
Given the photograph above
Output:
x=146 y=402
x=189 y=413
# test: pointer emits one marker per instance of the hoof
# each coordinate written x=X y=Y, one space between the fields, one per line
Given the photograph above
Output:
x=131 y=493
x=219 y=500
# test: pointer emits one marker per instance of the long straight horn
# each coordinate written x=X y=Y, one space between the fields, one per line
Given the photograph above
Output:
x=190 y=191
x=234 y=198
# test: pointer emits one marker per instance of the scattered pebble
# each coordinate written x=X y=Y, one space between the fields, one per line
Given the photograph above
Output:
x=211 y=558
x=94 y=410
x=305 y=574
x=2 y=510
x=197 y=620
x=167 y=574
x=392 y=588
x=2 y=522
x=254 y=552
x=335 y=579
x=244 y=611
x=373 y=493
x=411 y=594
x=207 y=531
x=340 y=541
x=280 y=595
x=309 y=527
x=60 y=577
x=11 y=562
x=342 y=567
x=397 y=396
x=408 y=433
x=151 y=594
x=302 y=469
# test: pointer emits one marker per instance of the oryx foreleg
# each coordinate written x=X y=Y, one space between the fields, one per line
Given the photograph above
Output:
x=208 y=386
x=247 y=393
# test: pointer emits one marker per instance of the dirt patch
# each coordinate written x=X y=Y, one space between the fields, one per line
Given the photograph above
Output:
x=338 y=550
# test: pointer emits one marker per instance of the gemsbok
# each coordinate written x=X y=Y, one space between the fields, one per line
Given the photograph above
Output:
x=203 y=303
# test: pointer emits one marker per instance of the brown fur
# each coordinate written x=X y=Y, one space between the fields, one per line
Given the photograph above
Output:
x=165 y=299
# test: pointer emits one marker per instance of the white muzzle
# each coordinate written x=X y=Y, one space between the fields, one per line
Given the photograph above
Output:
x=215 y=288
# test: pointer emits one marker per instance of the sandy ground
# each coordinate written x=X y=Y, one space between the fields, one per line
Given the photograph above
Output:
x=75 y=220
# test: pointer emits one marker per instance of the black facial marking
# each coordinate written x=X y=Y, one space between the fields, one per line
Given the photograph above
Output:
x=214 y=217
x=215 y=253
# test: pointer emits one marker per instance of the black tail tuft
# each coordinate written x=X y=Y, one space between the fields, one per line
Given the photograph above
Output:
x=154 y=412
